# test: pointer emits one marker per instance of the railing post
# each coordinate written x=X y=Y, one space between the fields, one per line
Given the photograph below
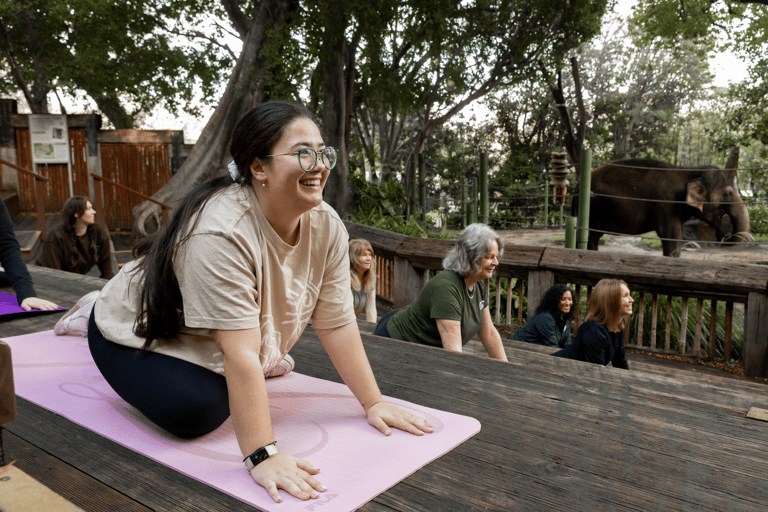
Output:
x=40 y=205
x=408 y=282
x=539 y=282
x=484 y=213
x=585 y=188
x=98 y=201
x=756 y=335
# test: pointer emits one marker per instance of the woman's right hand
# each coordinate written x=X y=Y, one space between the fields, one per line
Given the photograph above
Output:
x=284 y=471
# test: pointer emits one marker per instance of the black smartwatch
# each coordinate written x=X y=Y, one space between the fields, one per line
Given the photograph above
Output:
x=259 y=456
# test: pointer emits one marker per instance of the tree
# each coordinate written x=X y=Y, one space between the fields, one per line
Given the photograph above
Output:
x=248 y=86
x=121 y=55
x=739 y=25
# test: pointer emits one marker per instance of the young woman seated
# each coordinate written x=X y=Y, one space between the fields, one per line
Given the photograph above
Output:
x=599 y=339
x=551 y=324
x=78 y=243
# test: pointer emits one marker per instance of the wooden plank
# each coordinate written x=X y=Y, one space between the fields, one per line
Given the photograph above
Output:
x=139 y=478
x=661 y=274
x=755 y=346
x=385 y=243
x=538 y=284
x=74 y=485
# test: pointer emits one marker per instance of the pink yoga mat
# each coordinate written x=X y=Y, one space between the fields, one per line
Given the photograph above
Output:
x=313 y=419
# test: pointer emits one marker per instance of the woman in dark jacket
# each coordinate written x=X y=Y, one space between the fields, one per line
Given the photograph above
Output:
x=599 y=339
x=551 y=324
x=78 y=243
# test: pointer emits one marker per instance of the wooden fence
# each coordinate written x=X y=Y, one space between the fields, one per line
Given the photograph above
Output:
x=404 y=264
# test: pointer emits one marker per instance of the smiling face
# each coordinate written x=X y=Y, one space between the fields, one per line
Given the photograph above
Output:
x=364 y=261
x=565 y=304
x=625 y=301
x=488 y=263
x=288 y=190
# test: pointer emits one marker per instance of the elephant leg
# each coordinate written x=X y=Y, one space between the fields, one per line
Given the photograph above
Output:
x=671 y=239
x=593 y=240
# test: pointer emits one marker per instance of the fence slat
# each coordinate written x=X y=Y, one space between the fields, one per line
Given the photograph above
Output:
x=508 y=317
x=498 y=299
x=697 y=335
x=640 y=318
x=654 y=319
x=668 y=327
x=681 y=348
x=728 y=329
x=712 y=328
x=520 y=304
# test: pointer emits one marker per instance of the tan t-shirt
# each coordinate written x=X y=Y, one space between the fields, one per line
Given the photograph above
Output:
x=235 y=272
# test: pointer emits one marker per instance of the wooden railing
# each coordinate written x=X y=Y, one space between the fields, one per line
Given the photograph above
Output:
x=99 y=197
x=404 y=265
x=39 y=193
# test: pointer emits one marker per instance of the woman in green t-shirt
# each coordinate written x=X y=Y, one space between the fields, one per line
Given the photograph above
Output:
x=453 y=306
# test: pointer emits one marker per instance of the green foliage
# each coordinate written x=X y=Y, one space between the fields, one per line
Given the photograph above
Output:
x=382 y=206
x=122 y=55
x=758 y=218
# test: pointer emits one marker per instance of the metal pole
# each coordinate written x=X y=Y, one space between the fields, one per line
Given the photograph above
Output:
x=546 y=203
x=484 y=187
x=473 y=201
x=585 y=188
x=422 y=191
x=570 y=232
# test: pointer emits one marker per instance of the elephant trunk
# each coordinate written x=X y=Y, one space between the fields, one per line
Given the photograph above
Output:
x=740 y=220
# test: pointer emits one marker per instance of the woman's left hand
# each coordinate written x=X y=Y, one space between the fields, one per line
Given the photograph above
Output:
x=383 y=415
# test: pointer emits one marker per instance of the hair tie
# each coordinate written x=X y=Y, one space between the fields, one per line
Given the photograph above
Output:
x=233 y=171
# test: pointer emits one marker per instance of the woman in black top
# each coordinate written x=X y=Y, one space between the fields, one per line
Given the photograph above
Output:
x=599 y=339
x=14 y=271
x=550 y=325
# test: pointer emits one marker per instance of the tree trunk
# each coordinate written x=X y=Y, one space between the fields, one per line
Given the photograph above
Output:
x=244 y=90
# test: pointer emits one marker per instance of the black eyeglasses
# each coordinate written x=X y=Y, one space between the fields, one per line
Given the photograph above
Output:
x=308 y=157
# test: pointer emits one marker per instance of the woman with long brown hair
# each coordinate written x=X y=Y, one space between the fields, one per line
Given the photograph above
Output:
x=188 y=332
x=78 y=243
x=599 y=339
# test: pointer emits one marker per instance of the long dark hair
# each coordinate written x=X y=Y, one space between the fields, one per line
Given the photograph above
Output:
x=551 y=301
x=72 y=210
x=161 y=303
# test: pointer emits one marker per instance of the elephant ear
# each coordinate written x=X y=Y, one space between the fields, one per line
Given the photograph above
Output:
x=696 y=194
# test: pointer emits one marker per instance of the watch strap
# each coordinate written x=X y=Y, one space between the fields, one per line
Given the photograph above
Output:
x=259 y=456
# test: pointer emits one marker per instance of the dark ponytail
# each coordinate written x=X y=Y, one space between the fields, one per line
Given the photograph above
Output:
x=161 y=303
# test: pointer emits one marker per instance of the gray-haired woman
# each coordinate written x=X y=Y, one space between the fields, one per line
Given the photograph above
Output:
x=452 y=306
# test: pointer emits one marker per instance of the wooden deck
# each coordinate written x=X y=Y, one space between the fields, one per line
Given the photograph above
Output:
x=556 y=434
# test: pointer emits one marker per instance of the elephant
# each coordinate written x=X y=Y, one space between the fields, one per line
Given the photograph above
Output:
x=658 y=196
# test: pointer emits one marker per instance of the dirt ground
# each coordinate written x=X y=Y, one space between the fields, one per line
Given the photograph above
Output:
x=741 y=253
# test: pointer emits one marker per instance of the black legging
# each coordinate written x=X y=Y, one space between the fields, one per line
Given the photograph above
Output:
x=181 y=397
x=381 y=327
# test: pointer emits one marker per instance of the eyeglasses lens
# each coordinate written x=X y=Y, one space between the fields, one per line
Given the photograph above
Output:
x=329 y=157
x=307 y=159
